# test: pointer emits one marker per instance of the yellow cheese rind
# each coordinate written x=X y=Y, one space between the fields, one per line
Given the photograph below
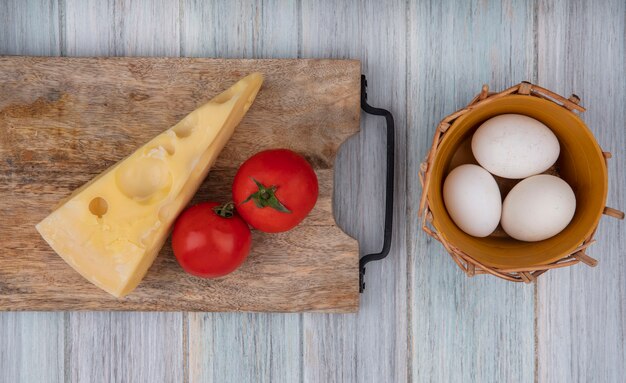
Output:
x=111 y=229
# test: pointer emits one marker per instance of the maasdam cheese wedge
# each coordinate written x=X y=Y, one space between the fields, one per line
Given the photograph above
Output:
x=111 y=229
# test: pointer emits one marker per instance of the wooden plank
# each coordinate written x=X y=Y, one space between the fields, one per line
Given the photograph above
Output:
x=463 y=329
x=147 y=28
x=581 y=317
x=122 y=28
x=31 y=344
x=29 y=27
x=121 y=346
x=125 y=347
x=373 y=345
x=58 y=133
x=242 y=347
x=91 y=28
x=239 y=29
x=31 y=347
x=246 y=347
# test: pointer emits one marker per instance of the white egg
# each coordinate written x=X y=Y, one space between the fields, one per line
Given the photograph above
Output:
x=538 y=208
x=515 y=146
x=473 y=200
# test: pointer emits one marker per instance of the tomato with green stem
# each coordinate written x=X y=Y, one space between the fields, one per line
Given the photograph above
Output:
x=210 y=240
x=275 y=190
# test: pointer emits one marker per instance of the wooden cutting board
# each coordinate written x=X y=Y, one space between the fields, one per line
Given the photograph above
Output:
x=65 y=120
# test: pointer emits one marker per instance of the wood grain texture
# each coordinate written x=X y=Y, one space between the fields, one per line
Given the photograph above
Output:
x=581 y=316
x=264 y=29
x=31 y=344
x=58 y=132
x=147 y=28
x=463 y=329
x=123 y=347
x=243 y=347
x=121 y=28
x=31 y=347
x=91 y=28
x=371 y=346
x=29 y=27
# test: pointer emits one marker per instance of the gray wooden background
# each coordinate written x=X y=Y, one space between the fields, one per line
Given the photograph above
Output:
x=421 y=319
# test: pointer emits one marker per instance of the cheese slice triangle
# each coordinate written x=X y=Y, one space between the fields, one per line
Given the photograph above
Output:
x=111 y=229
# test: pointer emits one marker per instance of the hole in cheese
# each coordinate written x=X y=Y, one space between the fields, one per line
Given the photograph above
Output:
x=169 y=148
x=166 y=212
x=98 y=206
x=184 y=128
x=144 y=178
x=159 y=150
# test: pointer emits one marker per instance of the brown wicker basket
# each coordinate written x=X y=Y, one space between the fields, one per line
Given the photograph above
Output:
x=582 y=164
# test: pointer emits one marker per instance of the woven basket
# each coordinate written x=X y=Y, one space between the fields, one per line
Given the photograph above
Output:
x=582 y=163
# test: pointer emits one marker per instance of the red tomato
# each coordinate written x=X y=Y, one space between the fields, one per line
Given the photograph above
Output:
x=207 y=244
x=275 y=190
